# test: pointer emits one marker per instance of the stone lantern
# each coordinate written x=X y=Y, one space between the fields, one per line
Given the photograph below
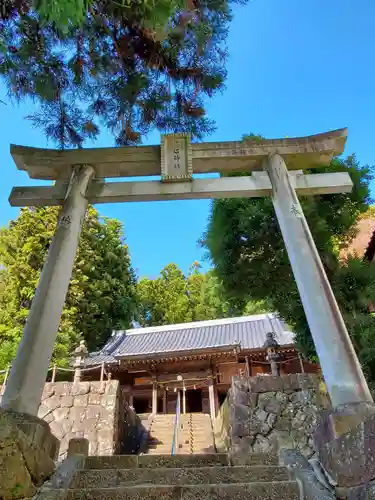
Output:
x=79 y=353
x=273 y=356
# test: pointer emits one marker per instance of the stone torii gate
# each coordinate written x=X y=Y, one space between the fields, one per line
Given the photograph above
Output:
x=80 y=179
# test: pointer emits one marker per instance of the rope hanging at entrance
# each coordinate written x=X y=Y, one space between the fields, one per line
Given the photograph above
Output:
x=196 y=380
x=277 y=362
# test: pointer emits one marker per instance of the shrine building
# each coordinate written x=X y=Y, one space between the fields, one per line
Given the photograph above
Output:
x=195 y=360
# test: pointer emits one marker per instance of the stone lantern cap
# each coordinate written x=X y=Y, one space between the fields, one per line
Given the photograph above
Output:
x=81 y=350
x=271 y=341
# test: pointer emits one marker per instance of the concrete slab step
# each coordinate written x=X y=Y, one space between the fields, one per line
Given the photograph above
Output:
x=277 y=490
x=172 y=476
x=153 y=462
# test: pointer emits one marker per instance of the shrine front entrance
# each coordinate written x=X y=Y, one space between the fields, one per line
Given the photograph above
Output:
x=194 y=402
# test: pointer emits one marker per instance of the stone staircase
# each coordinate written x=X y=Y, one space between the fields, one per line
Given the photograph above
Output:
x=183 y=477
x=160 y=434
x=195 y=434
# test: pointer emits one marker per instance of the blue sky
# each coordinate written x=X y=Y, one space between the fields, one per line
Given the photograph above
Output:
x=295 y=68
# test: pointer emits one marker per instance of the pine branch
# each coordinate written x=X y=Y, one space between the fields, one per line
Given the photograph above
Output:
x=114 y=64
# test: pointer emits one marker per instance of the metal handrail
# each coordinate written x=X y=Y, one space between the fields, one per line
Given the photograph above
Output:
x=176 y=425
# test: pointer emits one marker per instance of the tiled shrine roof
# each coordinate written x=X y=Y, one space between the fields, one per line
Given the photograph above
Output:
x=247 y=332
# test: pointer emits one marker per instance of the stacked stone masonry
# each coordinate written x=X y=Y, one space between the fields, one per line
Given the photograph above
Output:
x=27 y=453
x=267 y=414
x=83 y=409
x=345 y=442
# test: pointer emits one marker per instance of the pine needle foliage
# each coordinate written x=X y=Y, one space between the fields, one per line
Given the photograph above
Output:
x=129 y=66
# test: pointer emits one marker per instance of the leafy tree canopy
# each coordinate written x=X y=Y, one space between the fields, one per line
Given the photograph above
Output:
x=246 y=247
x=101 y=294
x=175 y=298
x=128 y=65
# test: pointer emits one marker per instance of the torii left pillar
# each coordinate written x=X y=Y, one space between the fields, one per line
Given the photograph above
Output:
x=25 y=384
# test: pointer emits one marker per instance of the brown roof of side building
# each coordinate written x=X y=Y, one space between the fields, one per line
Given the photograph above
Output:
x=363 y=244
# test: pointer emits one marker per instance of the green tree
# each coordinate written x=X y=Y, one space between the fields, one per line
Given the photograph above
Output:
x=175 y=298
x=129 y=66
x=164 y=300
x=101 y=294
x=74 y=12
x=246 y=247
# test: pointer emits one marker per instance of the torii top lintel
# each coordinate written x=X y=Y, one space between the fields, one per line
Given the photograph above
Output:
x=129 y=161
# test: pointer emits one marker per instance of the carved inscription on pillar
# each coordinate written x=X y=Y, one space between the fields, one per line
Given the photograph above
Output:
x=176 y=158
x=65 y=220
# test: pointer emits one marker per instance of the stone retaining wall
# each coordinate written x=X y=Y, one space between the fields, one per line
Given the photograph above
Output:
x=267 y=414
x=84 y=409
x=96 y=411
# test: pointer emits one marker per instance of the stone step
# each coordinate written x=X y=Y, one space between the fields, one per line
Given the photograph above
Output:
x=200 y=427
x=196 y=443
x=255 y=459
x=202 y=446
x=206 y=448
x=158 y=452
x=196 y=432
x=197 y=428
x=164 y=421
x=162 y=451
x=167 y=446
x=181 y=441
x=161 y=447
x=147 y=461
x=159 y=439
x=181 y=435
x=193 y=437
x=159 y=432
x=277 y=490
x=164 y=476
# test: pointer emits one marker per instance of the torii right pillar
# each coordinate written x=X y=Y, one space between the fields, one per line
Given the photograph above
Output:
x=342 y=371
x=345 y=435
